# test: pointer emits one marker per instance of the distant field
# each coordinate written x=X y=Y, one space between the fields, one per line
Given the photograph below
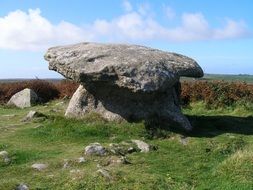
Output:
x=232 y=78
x=23 y=79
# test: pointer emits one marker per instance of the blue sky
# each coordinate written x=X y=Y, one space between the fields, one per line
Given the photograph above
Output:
x=218 y=34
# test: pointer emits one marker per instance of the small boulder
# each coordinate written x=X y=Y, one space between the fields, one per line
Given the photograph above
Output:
x=22 y=187
x=81 y=160
x=4 y=156
x=184 y=140
x=95 y=149
x=39 y=167
x=115 y=160
x=24 y=98
x=122 y=148
x=33 y=114
x=144 y=147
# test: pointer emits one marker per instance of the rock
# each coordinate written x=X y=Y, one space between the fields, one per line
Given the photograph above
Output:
x=32 y=114
x=124 y=82
x=104 y=173
x=75 y=171
x=144 y=147
x=66 y=163
x=95 y=149
x=7 y=160
x=22 y=187
x=3 y=154
x=24 y=98
x=114 y=160
x=39 y=167
x=81 y=160
x=184 y=140
x=122 y=148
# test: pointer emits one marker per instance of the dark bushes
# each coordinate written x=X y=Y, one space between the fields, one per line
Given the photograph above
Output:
x=44 y=89
x=213 y=93
x=216 y=93
x=66 y=88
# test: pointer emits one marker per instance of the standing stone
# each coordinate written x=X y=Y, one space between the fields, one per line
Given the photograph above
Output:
x=24 y=98
x=124 y=82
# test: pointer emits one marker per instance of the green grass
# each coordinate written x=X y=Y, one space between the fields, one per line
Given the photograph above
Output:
x=218 y=154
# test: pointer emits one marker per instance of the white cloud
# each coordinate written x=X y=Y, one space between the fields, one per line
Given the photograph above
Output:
x=31 y=31
x=127 y=6
x=232 y=29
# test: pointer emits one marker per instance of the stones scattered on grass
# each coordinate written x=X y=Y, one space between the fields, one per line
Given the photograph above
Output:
x=81 y=160
x=67 y=163
x=184 y=140
x=22 y=187
x=39 y=166
x=75 y=171
x=95 y=149
x=104 y=173
x=24 y=98
x=121 y=149
x=4 y=156
x=115 y=160
x=144 y=147
x=33 y=114
x=124 y=148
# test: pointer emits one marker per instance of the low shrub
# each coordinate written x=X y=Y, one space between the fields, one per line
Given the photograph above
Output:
x=66 y=88
x=213 y=93
x=216 y=93
x=45 y=90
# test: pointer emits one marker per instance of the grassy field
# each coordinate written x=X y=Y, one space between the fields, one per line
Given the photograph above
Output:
x=218 y=154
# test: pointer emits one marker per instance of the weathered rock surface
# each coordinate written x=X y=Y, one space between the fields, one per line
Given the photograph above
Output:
x=22 y=187
x=144 y=147
x=4 y=156
x=122 y=81
x=24 y=98
x=39 y=166
x=95 y=149
x=33 y=114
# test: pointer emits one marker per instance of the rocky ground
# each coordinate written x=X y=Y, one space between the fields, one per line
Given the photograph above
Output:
x=40 y=149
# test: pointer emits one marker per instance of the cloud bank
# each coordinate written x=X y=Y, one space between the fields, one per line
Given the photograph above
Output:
x=21 y=30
